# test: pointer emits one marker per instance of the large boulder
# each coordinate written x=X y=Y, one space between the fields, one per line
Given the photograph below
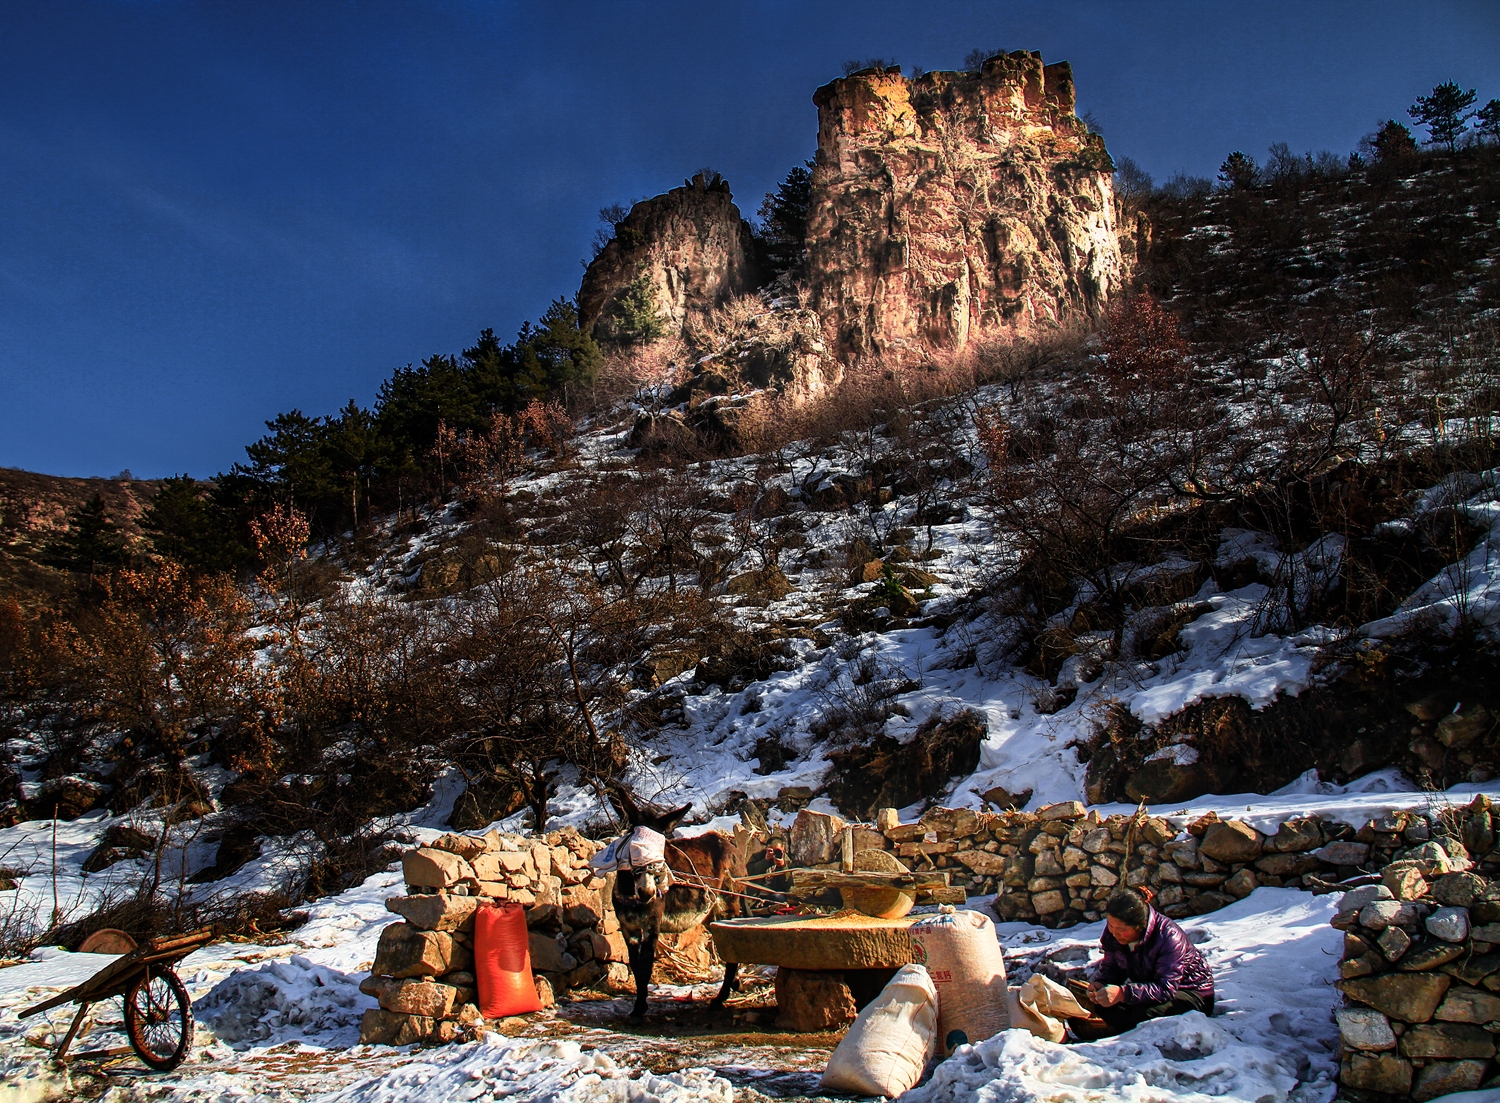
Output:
x=689 y=249
x=954 y=204
x=813 y=1002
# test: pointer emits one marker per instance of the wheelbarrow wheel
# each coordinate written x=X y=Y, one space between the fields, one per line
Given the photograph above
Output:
x=158 y=1020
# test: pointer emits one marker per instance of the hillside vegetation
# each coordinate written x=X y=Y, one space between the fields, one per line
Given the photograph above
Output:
x=1242 y=530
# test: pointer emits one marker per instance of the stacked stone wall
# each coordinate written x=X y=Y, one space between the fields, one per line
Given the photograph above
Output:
x=1421 y=967
x=1057 y=865
x=423 y=969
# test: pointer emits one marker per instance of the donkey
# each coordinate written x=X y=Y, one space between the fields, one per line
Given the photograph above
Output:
x=651 y=900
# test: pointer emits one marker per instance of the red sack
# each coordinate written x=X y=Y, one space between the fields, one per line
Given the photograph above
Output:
x=502 y=961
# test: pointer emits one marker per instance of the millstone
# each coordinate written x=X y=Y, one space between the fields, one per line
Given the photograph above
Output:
x=847 y=940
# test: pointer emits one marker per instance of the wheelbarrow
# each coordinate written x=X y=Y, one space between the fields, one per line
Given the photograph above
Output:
x=158 y=1015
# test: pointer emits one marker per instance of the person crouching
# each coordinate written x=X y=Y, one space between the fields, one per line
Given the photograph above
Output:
x=1150 y=969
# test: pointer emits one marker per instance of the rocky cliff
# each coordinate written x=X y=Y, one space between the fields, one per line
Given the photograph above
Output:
x=955 y=203
x=692 y=248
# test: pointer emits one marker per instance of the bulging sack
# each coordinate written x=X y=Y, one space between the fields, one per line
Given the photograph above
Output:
x=641 y=847
x=963 y=957
x=502 y=962
x=888 y=1045
x=1041 y=1005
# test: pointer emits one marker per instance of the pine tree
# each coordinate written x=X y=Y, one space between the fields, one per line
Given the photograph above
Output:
x=1238 y=171
x=1392 y=142
x=188 y=524
x=91 y=542
x=1489 y=120
x=783 y=218
x=637 y=314
x=1444 y=113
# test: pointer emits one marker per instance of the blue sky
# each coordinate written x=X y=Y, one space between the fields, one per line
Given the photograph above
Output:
x=210 y=213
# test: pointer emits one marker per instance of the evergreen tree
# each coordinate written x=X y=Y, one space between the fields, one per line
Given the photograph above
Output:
x=1444 y=113
x=91 y=542
x=569 y=356
x=636 y=314
x=1489 y=120
x=783 y=218
x=1238 y=171
x=1392 y=142
x=187 y=523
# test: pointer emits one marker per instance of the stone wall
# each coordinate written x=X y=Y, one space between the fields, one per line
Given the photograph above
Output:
x=423 y=969
x=1421 y=968
x=1057 y=865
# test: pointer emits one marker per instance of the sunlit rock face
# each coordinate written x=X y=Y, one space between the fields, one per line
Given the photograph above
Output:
x=691 y=245
x=954 y=204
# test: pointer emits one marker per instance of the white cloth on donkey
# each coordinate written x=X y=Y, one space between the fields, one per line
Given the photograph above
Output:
x=641 y=847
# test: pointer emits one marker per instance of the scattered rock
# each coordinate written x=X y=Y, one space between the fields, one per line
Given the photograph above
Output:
x=1430 y=957
x=434 y=869
x=764 y=585
x=1459 y=729
x=1405 y=883
x=1448 y=1040
x=1296 y=835
x=1446 y=1077
x=814 y=838
x=419 y=997
x=1393 y=942
x=1241 y=885
x=1469 y=1005
x=1344 y=852
x=1458 y=890
x=435 y=911
x=404 y=951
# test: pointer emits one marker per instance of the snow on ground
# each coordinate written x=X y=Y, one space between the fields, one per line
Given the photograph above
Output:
x=515 y=1069
x=1272 y=1037
x=279 y=1022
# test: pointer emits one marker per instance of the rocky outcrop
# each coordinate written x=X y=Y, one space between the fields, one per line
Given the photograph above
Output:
x=691 y=246
x=953 y=204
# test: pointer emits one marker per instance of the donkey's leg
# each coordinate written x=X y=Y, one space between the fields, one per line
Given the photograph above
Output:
x=642 y=960
x=731 y=983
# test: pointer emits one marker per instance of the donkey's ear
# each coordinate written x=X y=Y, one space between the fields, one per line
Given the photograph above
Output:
x=671 y=819
x=623 y=804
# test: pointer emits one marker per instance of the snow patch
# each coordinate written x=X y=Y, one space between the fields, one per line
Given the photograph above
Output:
x=283 y=1001
x=522 y=1071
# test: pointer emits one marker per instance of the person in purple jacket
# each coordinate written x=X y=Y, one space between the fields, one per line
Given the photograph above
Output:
x=1150 y=969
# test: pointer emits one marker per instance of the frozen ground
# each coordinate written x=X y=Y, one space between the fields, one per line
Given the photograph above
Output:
x=280 y=1022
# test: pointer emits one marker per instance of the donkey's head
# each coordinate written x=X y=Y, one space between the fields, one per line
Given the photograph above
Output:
x=636 y=814
x=647 y=882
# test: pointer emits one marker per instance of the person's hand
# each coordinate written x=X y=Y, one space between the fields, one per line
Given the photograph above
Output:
x=1108 y=995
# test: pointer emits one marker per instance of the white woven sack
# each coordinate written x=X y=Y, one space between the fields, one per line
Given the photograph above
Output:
x=963 y=956
x=887 y=1047
x=641 y=847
